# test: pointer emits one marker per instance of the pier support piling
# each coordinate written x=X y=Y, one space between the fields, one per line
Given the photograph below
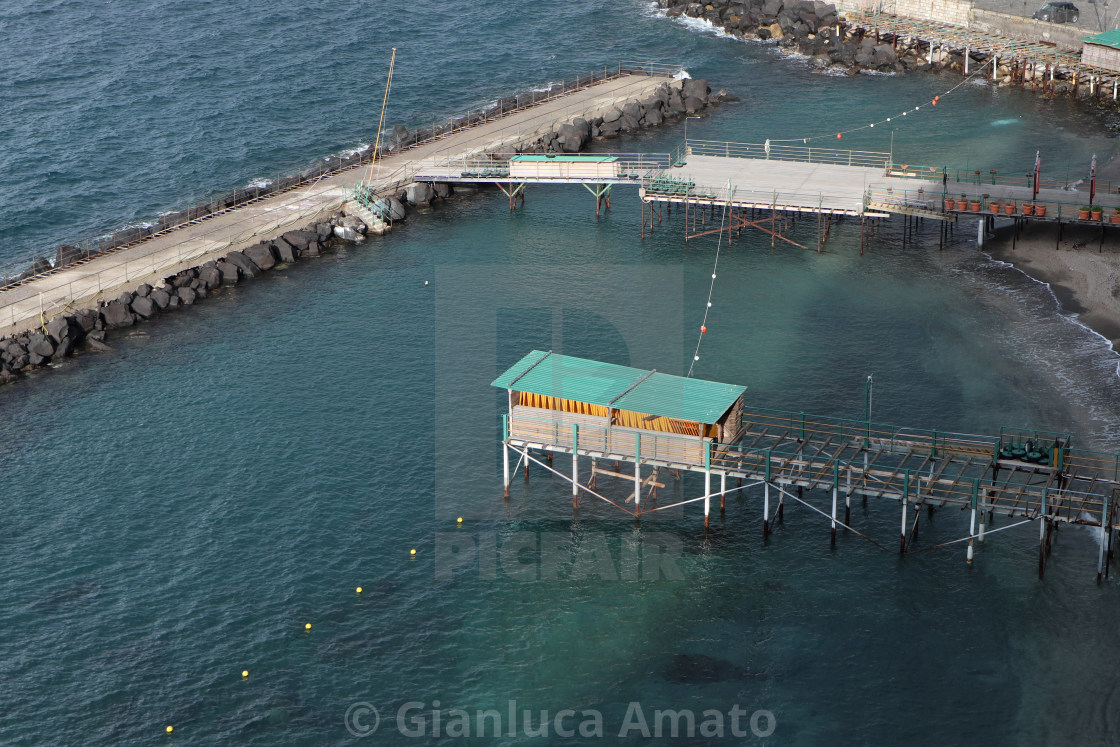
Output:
x=707 y=497
x=505 y=469
x=766 y=509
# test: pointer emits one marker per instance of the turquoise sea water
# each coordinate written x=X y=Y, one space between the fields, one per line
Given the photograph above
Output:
x=178 y=509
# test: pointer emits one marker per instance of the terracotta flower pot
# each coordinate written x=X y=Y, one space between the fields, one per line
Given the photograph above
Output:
x=1040 y=210
x=994 y=207
x=1097 y=214
x=975 y=206
x=1009 y=209
x=1115 y=218
x=1028 y=208
x=1083 y=214
x=950 y=204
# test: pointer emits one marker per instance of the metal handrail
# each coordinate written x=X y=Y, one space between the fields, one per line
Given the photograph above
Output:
x=780 y=152
x=690 y=451
x=109 y=241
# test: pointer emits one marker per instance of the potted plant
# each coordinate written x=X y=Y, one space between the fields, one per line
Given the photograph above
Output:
x=1115 y=217
x=1028 y=208
x=1009 y=208
x=1096 y=211
x=1083 y=212
x=1040 y=210
x=975 y=204
x=994 y=207
x=950 y=203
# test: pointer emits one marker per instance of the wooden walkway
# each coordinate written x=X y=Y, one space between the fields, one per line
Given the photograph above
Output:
x=1023 y=475
x=163 y=254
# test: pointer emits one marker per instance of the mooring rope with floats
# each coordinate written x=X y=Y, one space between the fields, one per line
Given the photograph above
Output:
x=791 y=496
x=971 y=536
x=933 y=102
x=712 y=287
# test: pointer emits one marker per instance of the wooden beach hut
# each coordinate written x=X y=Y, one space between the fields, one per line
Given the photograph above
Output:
x=560 y=403
x=579 y=168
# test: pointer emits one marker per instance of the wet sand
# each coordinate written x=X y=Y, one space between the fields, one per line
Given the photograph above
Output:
x=1083 y=272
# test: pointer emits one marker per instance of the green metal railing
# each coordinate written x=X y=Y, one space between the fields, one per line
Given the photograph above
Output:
x=790 y=465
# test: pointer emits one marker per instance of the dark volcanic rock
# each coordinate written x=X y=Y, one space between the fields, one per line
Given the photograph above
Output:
x=144 y=306
x=117 y=314
x=300 y=239
x=248 y=268
x=39 y=347
x=210 y=276
x=285 y=251
x=261 y=255
x=228 y=272
x=187 y=295
x=160 y=297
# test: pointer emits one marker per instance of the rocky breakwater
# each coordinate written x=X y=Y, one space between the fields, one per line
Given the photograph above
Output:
x=668 y=103
x=86 y=330
x=813 y=29
x=818 y=31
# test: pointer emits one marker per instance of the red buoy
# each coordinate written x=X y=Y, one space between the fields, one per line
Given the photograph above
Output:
x=838 y=136
x=703 y=328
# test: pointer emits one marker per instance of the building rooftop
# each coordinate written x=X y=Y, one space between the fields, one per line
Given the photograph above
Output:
x=1108 y=39
x=621 y=387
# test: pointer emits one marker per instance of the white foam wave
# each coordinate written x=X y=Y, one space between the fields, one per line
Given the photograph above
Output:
x=354 y=151
x=702 y=25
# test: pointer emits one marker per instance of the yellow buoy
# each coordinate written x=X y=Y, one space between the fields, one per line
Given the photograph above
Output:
x=307 y=626
x=459 y=520
x=359 y=590
x=244 y=672
x=413 y=551
x=170 y=729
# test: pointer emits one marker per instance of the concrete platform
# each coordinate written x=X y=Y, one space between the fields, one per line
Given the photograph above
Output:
x=24 y=307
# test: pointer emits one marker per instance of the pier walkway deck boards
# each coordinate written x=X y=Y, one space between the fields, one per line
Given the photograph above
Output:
x=163 y=254
x=911 y=466
x=786 y=185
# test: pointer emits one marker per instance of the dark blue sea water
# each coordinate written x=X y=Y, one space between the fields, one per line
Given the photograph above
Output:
x=178 y=510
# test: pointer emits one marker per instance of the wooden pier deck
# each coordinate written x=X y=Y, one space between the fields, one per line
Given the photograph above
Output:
x=561 y=404
x=167 y=252
x=794 y=452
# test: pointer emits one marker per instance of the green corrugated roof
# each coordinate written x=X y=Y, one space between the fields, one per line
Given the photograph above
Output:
x=606 y=384
x=1108 y=38
x=586 y=159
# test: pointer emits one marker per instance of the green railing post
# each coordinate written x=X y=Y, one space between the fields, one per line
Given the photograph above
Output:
x=768 y=465
x=575 y=439
x=802 y=426
x=505 y=427
x=707 y=455
x=933 y=448
x=638 y=448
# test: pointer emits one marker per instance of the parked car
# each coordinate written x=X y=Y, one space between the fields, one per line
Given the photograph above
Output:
x=1057 y=12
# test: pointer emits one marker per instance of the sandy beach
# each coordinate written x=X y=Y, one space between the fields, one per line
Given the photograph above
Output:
x=1083 y=271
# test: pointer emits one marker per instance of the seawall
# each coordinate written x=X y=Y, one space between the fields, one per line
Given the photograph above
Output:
x=118 y=289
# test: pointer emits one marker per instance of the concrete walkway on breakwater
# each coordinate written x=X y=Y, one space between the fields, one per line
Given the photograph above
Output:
x=26 y=306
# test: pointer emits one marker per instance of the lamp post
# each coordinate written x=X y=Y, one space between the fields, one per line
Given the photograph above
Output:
x=867 y=409
x=686 y=132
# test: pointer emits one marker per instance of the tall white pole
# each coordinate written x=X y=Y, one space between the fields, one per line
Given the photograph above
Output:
x=575 y=462
x=765 y=509
x=707 y=496
x=637 y=471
